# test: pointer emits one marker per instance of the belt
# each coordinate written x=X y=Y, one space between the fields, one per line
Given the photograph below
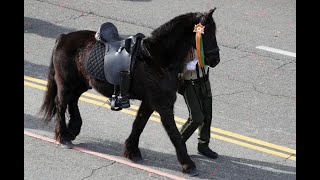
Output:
x=197 y=81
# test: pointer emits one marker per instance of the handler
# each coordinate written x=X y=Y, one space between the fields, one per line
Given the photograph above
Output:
x=195 y=87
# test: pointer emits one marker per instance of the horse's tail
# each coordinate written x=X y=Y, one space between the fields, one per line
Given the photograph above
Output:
x=48 y=107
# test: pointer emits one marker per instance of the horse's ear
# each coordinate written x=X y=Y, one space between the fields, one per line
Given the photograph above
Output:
x=211 y=11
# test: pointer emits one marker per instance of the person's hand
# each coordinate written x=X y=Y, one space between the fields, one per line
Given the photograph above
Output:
x=191 y=66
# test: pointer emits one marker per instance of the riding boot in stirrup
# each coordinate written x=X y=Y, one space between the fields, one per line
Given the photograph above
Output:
x=123 y=100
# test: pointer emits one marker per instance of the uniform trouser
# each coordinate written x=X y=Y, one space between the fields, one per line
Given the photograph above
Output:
x=198 y=98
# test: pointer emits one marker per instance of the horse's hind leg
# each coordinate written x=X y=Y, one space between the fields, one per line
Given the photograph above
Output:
x=75 y=122
x=131 y=149
x=62 y=135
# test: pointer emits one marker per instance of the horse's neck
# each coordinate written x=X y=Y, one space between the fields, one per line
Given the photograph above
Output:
x=170 y=49
x=171 y=44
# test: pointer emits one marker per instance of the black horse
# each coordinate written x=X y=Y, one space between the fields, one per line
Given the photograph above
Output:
x=154 y=80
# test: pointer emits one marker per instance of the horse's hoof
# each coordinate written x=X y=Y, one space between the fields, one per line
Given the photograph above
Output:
x=191 y=172
x=66 y=144
x=136 y=159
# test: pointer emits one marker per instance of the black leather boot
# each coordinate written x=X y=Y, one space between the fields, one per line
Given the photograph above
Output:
x=203 y=148
x=123 y=100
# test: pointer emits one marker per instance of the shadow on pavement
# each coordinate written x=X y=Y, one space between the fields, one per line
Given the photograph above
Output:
x=225 y=167
x=35 y=70
x=36 y=123
x=44 y=28
x=138 y=0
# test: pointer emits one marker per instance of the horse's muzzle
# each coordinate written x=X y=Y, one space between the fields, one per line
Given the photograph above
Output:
x=212 y=58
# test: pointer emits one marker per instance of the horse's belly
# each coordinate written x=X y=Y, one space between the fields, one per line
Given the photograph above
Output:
x=104 y=88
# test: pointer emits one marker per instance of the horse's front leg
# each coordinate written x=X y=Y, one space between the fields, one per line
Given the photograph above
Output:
x=131 y=149
x=167 y=119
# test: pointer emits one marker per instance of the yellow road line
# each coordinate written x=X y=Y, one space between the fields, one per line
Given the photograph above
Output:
x=246 y=138
x=40 y=81
x=212 y=135
x=253 y=147
x=264 y=143
x=228 y=133
x=35 y=85
x=224 y=132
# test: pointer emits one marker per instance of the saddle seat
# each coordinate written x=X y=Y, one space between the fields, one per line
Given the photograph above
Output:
x=119 y=51
x=108 y=32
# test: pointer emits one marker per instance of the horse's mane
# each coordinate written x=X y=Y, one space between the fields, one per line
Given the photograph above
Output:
x=174 y=26
x=171 y=41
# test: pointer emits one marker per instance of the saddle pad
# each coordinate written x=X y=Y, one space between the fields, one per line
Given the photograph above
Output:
x=96 y=60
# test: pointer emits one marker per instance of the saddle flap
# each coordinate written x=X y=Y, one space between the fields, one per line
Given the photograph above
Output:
x=116 y=59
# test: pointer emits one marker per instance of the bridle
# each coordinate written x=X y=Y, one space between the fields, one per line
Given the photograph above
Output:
x=199 y=30
x=214 y=50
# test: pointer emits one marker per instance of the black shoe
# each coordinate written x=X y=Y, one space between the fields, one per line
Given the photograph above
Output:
x=204 y=149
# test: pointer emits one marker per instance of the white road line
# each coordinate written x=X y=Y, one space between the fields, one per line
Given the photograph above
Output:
x=279 y=51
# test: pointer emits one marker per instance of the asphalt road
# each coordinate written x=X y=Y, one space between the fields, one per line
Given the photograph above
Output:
x=254 y=93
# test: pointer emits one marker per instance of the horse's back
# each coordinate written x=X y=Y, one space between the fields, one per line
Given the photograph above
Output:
x=70 y=54
x=74 y=40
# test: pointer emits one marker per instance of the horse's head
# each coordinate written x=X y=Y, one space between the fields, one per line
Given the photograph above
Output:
x=210 y=45
x=171 y=42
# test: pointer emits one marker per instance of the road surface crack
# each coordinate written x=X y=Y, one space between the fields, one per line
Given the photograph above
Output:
x=289 y=157
x=98 y=169
x=269 y=94
x=284 y=65
x=98 y=15
x=236 y=47
x=232 y=93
